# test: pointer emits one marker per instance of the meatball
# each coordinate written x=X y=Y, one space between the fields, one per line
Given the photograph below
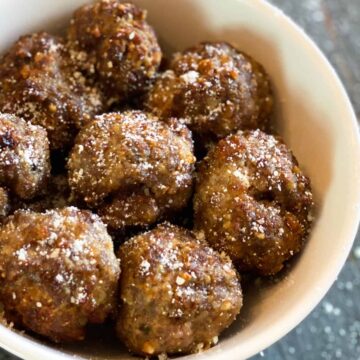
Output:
x=38 y=82
x=132 y=167
x=57 y=195
x=116 y=44
x=4 y=203
x=253 y=202
x=177 y=294
x=58 y=272
x=24 y=156
x=217 y=88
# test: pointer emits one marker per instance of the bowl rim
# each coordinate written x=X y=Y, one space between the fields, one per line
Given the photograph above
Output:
x=311 y=299
x=30 y=350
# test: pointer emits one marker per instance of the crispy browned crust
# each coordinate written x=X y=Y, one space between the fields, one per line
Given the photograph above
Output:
x=115 y=44
x=177 y=294
x=253 y=202
x=216 y=88
x=134 y=168
x=38 y=81
x=24 y=156
x=58 y=272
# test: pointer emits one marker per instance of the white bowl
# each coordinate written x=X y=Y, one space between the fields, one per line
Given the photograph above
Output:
x=316 y=120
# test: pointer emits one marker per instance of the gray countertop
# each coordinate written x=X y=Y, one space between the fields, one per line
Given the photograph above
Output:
x=332 y=331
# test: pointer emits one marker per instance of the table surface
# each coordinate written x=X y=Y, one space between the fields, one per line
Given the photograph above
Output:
x=332 y=331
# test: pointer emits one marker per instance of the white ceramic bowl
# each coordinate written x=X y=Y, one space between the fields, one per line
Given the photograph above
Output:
x=316 y=120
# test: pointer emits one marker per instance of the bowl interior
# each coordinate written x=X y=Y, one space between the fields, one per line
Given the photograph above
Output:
x=316 y=120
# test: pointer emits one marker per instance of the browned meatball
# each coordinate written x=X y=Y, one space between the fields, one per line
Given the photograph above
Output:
x=24 y=156
x=56 y=195
x=4 y=203
x=132 y=167
x=253 y=202
x=217 y=88
x=116 y=44
x=58 y=272
x=39 y=82
x=177 y=294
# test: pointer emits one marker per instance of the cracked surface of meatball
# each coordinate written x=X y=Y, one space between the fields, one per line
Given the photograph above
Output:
x=116 y=45
x=38 y=81
x=24 y=156
x=132 y=167
x=253 y=201
x=58 y=272
x=177 y=294
x=217 y=88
